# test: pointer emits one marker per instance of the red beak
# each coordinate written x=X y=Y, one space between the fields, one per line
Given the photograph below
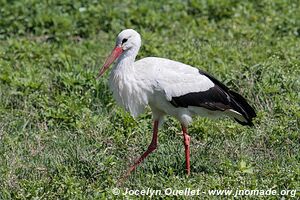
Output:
x=116 y=52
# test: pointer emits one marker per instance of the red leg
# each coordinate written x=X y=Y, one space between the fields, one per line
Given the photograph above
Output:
x=151 y=148
x=186 y=139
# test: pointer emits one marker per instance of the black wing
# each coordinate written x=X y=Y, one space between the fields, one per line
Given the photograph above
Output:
x=219 y=98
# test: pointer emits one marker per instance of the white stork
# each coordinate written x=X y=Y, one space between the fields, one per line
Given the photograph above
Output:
x=169 y=88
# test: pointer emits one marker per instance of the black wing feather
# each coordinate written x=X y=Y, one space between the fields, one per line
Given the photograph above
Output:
x=219 y=97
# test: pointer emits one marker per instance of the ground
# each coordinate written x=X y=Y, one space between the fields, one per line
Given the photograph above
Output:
x=62 y=136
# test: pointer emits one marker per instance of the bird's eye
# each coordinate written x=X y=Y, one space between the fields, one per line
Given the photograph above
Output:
x=124 y=40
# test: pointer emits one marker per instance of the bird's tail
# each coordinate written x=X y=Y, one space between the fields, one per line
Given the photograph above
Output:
x=241 y=111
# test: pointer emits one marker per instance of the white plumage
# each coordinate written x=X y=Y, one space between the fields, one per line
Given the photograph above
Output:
x=155 y=81
x=168 y=87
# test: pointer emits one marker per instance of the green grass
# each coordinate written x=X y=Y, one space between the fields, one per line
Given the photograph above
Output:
x=62 y=136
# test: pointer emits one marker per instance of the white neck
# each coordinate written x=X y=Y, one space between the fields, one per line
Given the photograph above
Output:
x=126 y=89
x=126 y=60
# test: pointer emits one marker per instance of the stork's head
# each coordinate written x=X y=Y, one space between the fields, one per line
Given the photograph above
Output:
x=127 y=41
